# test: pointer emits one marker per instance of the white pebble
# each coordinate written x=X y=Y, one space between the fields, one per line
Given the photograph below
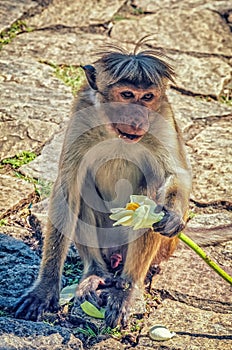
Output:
x=159 y=332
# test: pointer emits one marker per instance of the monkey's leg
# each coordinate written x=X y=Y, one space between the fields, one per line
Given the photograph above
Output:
x=95 y=276
x=141 y=253
x=44 y=294
x=95 y=273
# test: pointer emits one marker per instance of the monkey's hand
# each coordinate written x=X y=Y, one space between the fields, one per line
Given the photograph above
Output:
x=36 y=301
x=90 y=289
x=170 y=225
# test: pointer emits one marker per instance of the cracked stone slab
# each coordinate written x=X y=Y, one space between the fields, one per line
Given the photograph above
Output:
x=156 y=5
x=189 y=279
x=188 y=30
x=76 y=13
x=13 y=192
x=45 y=166
x=12 y=10
x=69 y=47
x=201 y=75
x=210 y=154
x=19 y=268
x=28 y=335
x=195 y=328
x=111 y=344
x=208 y=229
x=211 y=220
x=189 y=109
x=35 y=105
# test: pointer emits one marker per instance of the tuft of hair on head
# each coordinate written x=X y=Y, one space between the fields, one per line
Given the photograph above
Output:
x=140 y=67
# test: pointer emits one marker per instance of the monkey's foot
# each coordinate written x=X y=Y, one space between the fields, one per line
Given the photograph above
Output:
x=118 y=303
x=35 y=302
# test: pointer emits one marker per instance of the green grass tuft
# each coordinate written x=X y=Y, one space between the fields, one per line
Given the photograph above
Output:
x=72 y=76
x=20 y=159
x=3 y=222
x=9 y=34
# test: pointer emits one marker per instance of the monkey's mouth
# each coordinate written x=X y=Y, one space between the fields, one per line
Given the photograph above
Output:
x=128 y=137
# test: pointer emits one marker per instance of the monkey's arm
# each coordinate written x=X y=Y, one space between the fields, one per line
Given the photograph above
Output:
x=173 y=200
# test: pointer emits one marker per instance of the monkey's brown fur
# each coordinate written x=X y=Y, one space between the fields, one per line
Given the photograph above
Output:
x=122 y=128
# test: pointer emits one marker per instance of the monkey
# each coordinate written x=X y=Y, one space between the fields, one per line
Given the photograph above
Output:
x=122 y=139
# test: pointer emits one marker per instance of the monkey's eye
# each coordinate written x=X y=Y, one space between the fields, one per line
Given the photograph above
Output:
x=127 y=94
x=148 y=97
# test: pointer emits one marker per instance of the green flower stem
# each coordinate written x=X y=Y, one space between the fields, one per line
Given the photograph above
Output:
x=205 y=257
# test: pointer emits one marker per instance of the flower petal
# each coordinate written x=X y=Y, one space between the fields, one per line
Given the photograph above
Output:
x=121 y=214
x=138 y=199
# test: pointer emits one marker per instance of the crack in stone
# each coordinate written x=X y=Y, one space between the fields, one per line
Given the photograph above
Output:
x=208 y=336
x=200 y=124
x=199 y=303
x=219 y=204
x=19 y=206
x=193 y=94
x=189 y=53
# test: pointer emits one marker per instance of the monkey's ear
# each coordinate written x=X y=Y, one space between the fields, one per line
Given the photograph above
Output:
x=90 y=73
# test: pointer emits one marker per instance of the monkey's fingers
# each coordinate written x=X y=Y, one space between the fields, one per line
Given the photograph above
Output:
x=170 y=225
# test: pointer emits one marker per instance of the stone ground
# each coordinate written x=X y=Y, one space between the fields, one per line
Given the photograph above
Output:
x=43 y=43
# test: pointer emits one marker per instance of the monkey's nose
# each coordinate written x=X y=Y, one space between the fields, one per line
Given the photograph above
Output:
x=137 y=126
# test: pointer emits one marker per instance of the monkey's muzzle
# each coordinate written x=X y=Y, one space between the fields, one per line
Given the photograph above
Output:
x=129 y=133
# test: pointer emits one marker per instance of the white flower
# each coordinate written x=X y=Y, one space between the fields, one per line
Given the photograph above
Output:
x=139 y=213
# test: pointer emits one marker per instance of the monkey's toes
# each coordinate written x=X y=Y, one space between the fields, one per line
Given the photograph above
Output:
x=118 y=304
x=117 y=311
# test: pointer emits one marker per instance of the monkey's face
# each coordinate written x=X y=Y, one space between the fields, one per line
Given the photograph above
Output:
x=130 y=115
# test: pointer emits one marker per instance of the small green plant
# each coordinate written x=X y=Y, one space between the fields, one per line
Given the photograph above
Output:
x=3 y=313
x=116 y=333
x=50 y=323
x=7 y=35
x=106 y=330
x=73 y=272
x=24 y=177
x=118 y=18
x=3 y=222
x=136 y=326
x=87 y=331
x=191 y=214
x=91 y=333
x=43 y=188
x=72 y=76
x=226 y=99
x=20 y=159
x=138 y=11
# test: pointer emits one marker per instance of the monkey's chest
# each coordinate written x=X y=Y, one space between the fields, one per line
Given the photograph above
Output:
x=116 y=180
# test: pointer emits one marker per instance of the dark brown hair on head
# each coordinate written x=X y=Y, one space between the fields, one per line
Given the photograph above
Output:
x=143 y=68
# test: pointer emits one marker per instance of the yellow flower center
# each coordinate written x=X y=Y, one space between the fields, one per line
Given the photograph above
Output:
x=132 y=206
